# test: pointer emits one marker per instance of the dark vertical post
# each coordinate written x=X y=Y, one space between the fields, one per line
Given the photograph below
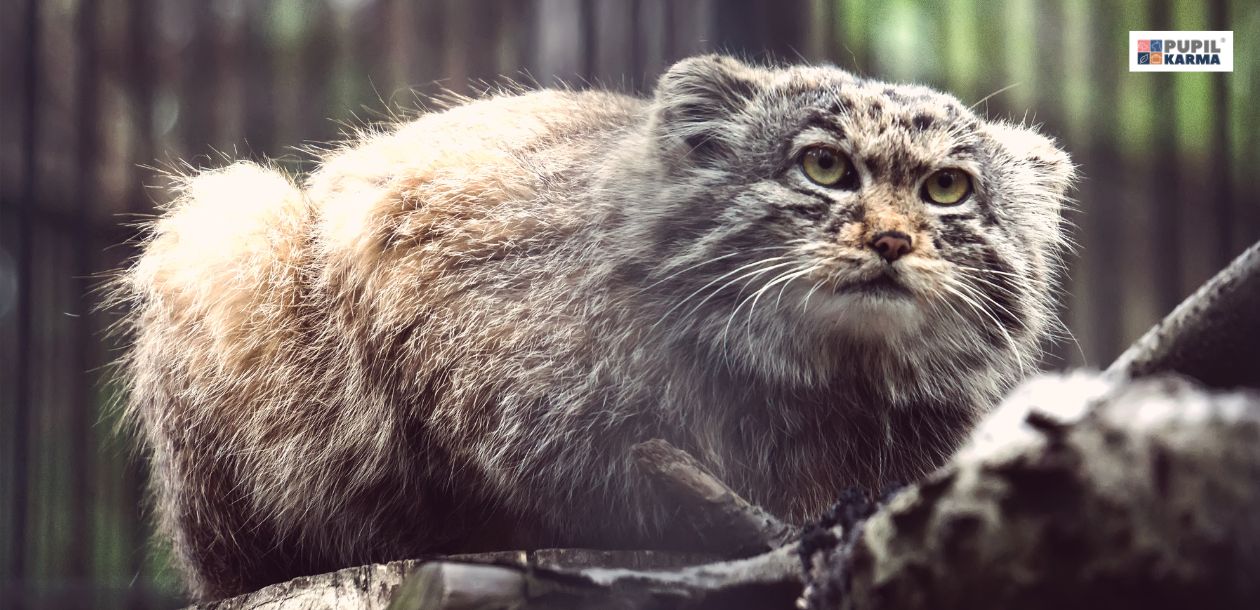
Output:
x=586 y=45
x=456 y=69
x=527 y=11
x=1051 y=34
x=141 y=92
x=431 y=46
x=690 y=29
x=1220 y=170
x=369 y=48
x=762 y=29
x=1164 y=171
x=559 y=30
x=319 y=50
x=638 y=79
x=365 y=54
x=229 y=83
x=612 y=44
x=83 y=405
x=1103 y=220
x=651 y=47
x=26 y=207
x=260 y=94
x=139 y=15
x=483 y=36
x=668 y=27
x=200 y=75
x=471 y=61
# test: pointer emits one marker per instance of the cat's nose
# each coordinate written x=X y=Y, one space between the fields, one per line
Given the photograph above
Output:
x=892 y=245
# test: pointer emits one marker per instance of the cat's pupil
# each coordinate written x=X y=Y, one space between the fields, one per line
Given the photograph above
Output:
x=945 y=180
x=826 y=160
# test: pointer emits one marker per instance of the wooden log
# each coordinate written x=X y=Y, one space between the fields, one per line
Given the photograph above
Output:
x=373 y=587
x=463 y=586
x=770 y=580
x=369 y=587
x=1213 y=336
x=1083 y=491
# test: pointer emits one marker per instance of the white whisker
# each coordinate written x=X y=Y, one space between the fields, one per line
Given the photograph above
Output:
x=739 y=269
x=706 y=262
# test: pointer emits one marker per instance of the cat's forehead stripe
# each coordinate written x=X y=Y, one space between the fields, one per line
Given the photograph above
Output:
x=829 y=123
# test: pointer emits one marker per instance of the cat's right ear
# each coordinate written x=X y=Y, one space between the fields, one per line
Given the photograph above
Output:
x=695 y=103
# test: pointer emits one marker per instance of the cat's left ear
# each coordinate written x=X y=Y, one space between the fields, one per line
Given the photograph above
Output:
x=1039 y=161
x=695 y=103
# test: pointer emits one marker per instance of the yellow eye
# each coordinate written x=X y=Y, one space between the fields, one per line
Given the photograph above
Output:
x=947 y=187
x=827 y=166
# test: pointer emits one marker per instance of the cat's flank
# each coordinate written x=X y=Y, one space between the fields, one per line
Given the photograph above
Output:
x=446 y=338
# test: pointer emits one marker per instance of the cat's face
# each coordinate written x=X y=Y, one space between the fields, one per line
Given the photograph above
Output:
x=845 y=210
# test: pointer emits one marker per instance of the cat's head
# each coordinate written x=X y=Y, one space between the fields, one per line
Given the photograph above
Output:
x=804 y=207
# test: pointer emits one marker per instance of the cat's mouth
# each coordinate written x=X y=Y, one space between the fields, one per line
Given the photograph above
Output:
x=883 y=285
x=873 y=305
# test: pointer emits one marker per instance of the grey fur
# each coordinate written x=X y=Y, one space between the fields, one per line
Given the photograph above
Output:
x=447 y=338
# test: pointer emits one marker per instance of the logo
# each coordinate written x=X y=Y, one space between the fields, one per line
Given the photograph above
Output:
x=1181 y=51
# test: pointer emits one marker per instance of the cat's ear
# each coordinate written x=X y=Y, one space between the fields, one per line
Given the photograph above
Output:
x=695 y=103
x=1038 y=177
x=1038 y=158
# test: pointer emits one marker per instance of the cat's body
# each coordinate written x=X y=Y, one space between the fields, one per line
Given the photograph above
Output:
x=449 y=336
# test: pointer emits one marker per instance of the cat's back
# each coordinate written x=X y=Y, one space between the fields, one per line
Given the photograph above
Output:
x=244 y=255
x=463 y=182
x=468 y=161
x=483 y=181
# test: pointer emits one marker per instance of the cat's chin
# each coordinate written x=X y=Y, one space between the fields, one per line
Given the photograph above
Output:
x=870 y=312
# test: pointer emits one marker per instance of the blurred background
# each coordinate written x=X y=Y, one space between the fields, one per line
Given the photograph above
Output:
x=93 y=91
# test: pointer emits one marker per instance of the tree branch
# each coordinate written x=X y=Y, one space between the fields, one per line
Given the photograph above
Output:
x=726 y=523
x=1079 y=491
x=1213 y=336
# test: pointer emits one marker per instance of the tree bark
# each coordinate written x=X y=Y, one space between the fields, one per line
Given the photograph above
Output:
x=374 y=586
x=1081 y=491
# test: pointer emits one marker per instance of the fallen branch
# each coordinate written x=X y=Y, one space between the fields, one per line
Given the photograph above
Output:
x=1213 y=336
x=769 y=580
x=373 y=586
x=724 y=522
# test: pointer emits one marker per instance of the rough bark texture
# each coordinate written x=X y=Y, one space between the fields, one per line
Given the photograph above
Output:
x=769 y=580
x=373 y=586
x=1080 y=491
x=366 y=587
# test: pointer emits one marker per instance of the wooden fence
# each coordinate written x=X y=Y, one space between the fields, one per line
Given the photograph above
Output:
x=94 y=89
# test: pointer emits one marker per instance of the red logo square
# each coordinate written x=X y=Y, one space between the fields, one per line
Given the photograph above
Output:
x=1144 y=46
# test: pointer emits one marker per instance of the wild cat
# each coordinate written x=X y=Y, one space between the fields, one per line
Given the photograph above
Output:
x=447 y=337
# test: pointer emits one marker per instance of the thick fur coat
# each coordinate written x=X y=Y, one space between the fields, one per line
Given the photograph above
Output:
x=446 y=338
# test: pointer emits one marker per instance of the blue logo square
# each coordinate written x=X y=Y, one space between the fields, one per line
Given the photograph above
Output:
x=1144 y=58
x=1157 y=46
